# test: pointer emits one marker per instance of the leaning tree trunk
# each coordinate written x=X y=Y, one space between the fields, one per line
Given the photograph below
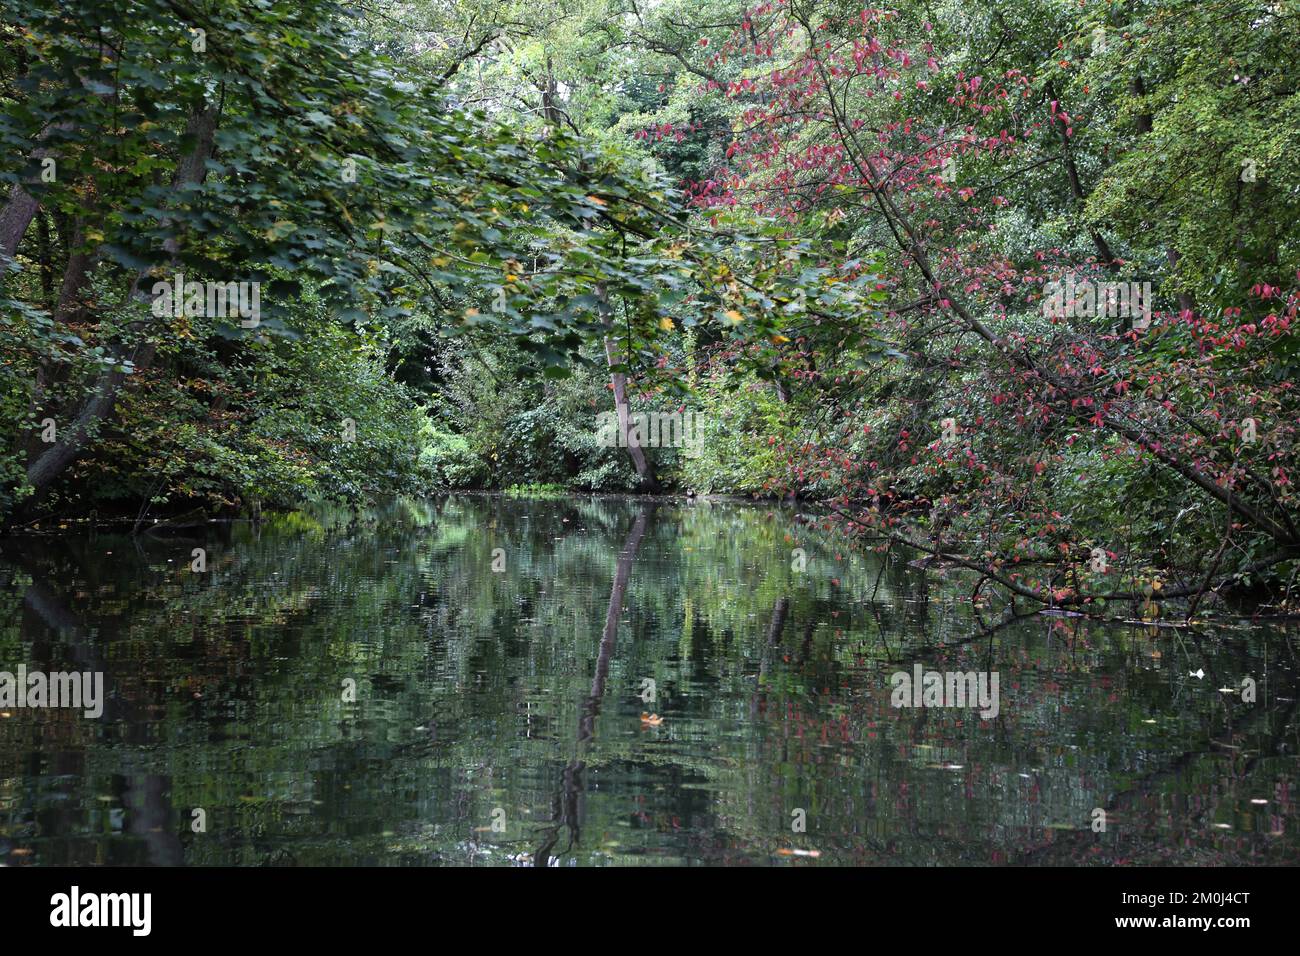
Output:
x=20 y=209
x=643 y=471
x=42 y=471
x=15 y=217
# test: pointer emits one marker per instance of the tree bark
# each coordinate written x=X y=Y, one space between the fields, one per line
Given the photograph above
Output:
x=20 y=210
x=74 y=274
x=634 y=450
x=644 y=472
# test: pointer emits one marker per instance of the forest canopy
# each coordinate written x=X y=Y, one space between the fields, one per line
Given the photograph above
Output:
x=1007 y=284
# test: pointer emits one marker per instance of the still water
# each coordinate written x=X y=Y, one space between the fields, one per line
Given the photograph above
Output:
x=644 y=684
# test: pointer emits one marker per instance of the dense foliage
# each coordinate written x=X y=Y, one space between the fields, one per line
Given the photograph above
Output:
x=823 y=232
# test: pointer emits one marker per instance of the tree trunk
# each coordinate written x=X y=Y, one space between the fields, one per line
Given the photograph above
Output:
x=644 y=473
x=634 y=450
x=1138 y=88
x=16 y=216
x=20 y=210
x=42 y=471
x=74 y=274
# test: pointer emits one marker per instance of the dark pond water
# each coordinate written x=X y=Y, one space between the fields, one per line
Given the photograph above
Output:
x=498 y=719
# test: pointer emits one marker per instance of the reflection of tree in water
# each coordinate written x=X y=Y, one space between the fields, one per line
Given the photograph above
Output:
x=145 y=796
x=567 y=807
x=224 y=694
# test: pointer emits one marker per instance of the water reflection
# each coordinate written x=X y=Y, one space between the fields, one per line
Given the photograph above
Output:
x=497 y=717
